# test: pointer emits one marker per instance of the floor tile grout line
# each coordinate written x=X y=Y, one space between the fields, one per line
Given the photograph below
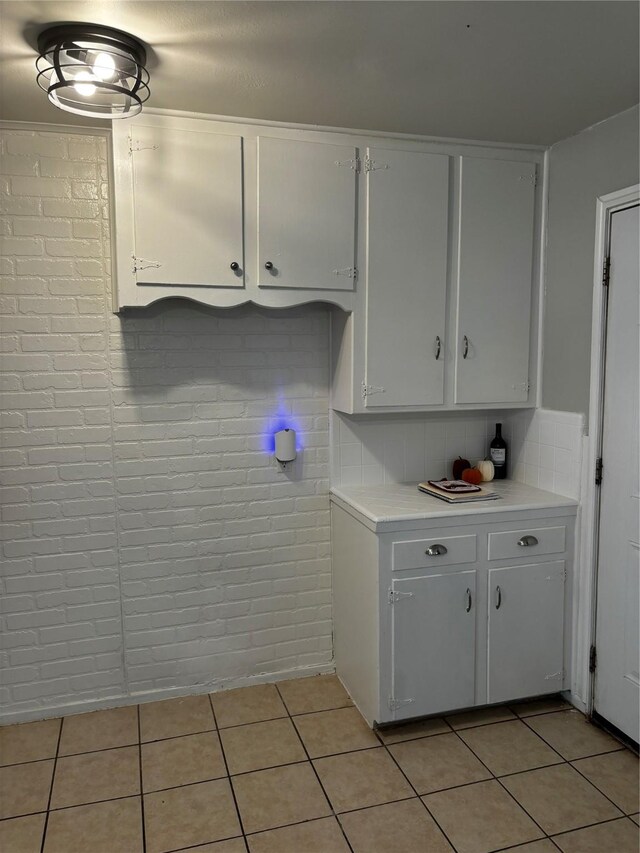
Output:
x=226 y=767
x=568 y=761
x=588 y=826
x=419 y=796
x=504 y=788
x=144 y=830
x=53 y=776
x=313 y=768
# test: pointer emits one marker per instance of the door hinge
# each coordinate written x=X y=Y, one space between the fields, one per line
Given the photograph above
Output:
x=350 y=272
x=606 y=272
x=393 y=595
x=599 y=469
x=373 y=166
x=593 y=659
x=136 y=145
x=368 y=390
x=394 y=703
x=355 y=164
x=143 y=264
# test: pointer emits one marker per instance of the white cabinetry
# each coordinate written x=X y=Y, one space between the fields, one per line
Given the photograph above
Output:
x=526 y=605
x=427 y=621
x=222 y=213
x=406 y=277
x=306 y=214
x=433 y=642
x=449 y=315
x=495 y=268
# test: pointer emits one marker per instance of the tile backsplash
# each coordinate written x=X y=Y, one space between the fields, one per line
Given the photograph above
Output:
x=545 y=446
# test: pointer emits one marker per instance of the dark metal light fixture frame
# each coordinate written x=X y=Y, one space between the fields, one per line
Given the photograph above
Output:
x=92 y=70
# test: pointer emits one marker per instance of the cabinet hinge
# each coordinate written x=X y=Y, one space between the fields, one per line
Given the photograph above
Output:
x=355 y=164
x=593 y=659
x=394 y=703
x=606 y=272
x=530 y=178
x=349 y=272
x=373 y=165
x=368 y=390
x=393 y=595
x=143 y=264
x=136 y=145
x=554 y=676
x=599 y=469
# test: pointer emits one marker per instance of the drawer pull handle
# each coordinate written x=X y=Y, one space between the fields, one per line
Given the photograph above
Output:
x=435 y=550
x=468 y=596
x=525 y=541
x=498 y=597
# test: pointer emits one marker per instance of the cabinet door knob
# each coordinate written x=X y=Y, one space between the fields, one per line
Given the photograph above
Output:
x=527 y=540
x=468 y=597
x=435 y=550
x=268 y=265
x=234 y=266
x=438 y=347
x=498 y=597
x=465 y=348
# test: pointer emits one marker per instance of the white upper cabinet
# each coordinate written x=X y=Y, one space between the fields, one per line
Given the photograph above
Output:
x=306 y=214
x=406 y=277
x=187 y=208
x=495 y=268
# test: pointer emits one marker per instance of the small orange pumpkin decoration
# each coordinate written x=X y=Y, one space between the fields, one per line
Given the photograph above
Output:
x=472 y=475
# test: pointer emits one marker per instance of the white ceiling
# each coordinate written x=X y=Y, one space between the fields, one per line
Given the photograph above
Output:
x=513 y=71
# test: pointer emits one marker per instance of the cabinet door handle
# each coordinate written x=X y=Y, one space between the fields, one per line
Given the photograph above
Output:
x=436 y=550
x=527 y=540
x=438 y=347
x=268 y=265
x=234 y=266
x=498 y=597
x=465 y=348
x=468 y=597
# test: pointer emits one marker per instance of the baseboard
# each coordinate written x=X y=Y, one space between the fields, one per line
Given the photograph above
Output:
x=121 y=700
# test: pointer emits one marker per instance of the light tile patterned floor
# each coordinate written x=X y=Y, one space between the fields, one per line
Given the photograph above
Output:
x=293 y=768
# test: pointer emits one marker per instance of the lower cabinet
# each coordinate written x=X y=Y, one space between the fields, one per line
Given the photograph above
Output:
x=434 y=628
x=431 y=621
x=525 y=631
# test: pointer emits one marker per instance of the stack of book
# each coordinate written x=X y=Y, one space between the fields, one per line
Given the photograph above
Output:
x=456 y=491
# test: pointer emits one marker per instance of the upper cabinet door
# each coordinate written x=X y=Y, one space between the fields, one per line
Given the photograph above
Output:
x=187 y=207
x=407 y=223
x=306 y=214
x=495 y=255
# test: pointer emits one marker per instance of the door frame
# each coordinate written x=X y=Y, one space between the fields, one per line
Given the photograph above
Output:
x=583 y=687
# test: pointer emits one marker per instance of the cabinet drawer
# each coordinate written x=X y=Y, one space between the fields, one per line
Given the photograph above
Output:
x=436 y=552
x=527 y=543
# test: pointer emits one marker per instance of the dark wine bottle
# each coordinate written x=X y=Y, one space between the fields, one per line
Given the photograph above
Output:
x=498 y=454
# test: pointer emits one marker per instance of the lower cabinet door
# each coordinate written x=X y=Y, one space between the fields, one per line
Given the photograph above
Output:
x=526 y=631
x=434 y=627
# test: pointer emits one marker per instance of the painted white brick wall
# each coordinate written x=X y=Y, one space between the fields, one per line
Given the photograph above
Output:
x=150 y=545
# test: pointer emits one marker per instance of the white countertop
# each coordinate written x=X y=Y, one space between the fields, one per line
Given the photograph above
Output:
x=380 y=507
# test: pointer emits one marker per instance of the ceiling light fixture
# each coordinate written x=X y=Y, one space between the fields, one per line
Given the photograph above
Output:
x=92 y=70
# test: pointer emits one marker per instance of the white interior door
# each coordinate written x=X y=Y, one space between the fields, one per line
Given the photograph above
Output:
x=526 y=631
x=188 y=208
x=407 y=221
x=434 y=635
x=306 y=214
x=494 y=280
x=617 y=632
